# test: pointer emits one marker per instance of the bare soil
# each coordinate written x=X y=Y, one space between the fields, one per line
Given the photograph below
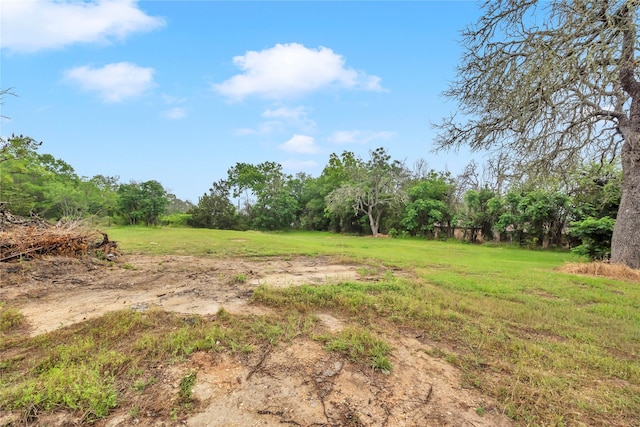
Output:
x=298 y=384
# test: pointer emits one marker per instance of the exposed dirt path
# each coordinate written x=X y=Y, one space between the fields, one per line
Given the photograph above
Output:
x=57 y=291
x=299 y=384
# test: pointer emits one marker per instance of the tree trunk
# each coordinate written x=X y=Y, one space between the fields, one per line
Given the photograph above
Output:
x=625 y=243
x=372 y=222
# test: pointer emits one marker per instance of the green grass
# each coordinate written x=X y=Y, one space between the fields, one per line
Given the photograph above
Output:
x=551 y=348
x=10 y=318
x=204 y=242
x=186 y=386
x=360 y=346
x=88 y=367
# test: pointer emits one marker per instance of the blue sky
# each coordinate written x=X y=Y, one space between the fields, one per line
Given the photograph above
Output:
x=179 y=91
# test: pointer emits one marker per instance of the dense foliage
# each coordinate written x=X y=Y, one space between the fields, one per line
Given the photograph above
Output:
x=39 y=184
x=351 y=195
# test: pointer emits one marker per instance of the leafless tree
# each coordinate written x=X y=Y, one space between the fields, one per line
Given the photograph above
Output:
x=550 y=84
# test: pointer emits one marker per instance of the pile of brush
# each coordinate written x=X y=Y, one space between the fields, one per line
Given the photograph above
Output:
x=25 y=238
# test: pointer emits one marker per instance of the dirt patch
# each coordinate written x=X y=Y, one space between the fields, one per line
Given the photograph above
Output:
x=326 y=390
x=56 y=291
x=297 y=384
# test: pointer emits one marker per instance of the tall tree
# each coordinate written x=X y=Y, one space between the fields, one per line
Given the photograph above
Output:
x=19 y=168
x=101 y=194
x=17 y=147
x=477 y=217
x=154 y=201
x=428 y=204
x=335 y=174
x=215 y=210
x=275 y=207
x=550 y=82
x=373 y=187
x=144 y=201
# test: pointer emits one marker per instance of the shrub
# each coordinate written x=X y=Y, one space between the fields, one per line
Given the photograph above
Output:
x=176 y=220
x=595 y=235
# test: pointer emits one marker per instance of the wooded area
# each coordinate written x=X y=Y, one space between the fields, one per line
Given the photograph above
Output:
x=351 y=195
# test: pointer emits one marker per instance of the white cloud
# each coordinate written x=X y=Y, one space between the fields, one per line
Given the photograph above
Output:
x=175 y=113
x=292 y=117
x=114 y=82
x=290 y=70
x=33 y=25
x=302 y=144
x=358 y=136
x=285 y=118
x=286 y=113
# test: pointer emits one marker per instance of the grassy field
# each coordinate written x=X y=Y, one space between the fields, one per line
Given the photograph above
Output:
x=552 y=348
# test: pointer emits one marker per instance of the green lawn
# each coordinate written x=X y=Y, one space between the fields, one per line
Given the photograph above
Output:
x=552 y=348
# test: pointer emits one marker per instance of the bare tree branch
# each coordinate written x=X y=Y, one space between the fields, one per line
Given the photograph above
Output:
x=548 y=85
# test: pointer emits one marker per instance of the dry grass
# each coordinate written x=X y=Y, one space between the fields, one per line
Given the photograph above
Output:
x=603 y=269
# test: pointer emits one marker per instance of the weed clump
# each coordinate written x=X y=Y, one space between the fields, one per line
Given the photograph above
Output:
x=360 y=346
x=10 y=318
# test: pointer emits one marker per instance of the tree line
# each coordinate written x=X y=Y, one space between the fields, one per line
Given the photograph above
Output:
x=383 y=195
x=375 y=195
x=39 y=184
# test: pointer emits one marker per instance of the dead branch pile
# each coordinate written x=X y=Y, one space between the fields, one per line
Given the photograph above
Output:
x=25 y=238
